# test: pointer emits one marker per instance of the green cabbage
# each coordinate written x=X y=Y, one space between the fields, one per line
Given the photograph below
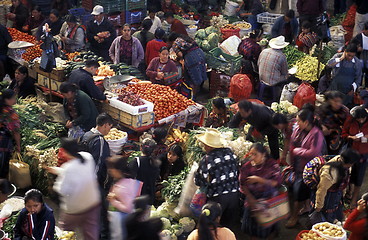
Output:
x=206 y=45
x=213 y=40
x=210 y=30
x=201 y=33
x=166 y=222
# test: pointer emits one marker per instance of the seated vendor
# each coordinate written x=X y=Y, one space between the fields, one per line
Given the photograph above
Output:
x=172 y=163
x=249 y=9
x=162 y=70
x=306 y=38
x=219 y=117
x=22 y=84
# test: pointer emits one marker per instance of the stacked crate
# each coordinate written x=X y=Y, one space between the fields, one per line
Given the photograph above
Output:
x=136 y=11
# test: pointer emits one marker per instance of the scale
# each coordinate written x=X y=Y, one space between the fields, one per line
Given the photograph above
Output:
x=111 y=82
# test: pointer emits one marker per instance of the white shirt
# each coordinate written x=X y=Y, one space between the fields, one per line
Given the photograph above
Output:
x=156 y=23
x=77 y=185
x=364 y=42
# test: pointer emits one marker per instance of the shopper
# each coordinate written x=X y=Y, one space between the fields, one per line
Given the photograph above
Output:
x=18 y=13
x=285 y=126
x=361 y=16
x=9 y=130
x=5 y=189
x=218 y=174
x=61 y=6
x=36 y=220
x=356 y=223
x=162 y=70
x=173 y=163
x=332 y=115
x=126 y=48
x=250 y=50
x=77 y=187
x=34 y=21
x=333 y=179
x=144 y=35
x=169 y=6
x=121 y=195
x=306 y=38
x=310 y=10
x=83 y=78
x=209 y=224
x=156 y=22
x=55 y=23
x=100 y=33
x=361 y=41
x=346 y=73
x=286 y=26
x=355 y=126
x=219 y=117
x=307 y=142
x=22 y=84
x=259 y=116
x=79 y=109
x=74 y=38
x=160 y=135
x=153 y=47
x=176 y=25
x=259 y=178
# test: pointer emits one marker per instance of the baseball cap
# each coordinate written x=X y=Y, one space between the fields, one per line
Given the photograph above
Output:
x=97 y=10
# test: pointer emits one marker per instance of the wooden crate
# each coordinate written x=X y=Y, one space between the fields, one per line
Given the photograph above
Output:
x=57 y=75
x=49 y=83
x=134 y=121
x=31 y=71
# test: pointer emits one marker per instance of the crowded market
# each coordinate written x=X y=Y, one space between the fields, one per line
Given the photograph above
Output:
x=183 y=119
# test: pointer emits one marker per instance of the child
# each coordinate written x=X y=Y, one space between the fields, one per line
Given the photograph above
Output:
x=172 y=163
x=306 y=38
x=36 y=221
x=121 y=196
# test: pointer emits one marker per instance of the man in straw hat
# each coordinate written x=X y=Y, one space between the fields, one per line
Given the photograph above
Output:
x=218 y=173
x=272 y=64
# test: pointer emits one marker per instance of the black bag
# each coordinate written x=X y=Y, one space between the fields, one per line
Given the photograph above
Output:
x=84 y=143
x=322 y=29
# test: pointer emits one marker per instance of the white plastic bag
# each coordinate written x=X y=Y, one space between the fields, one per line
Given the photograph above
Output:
x=230 y=8
x=289 y=91
x=230 y=45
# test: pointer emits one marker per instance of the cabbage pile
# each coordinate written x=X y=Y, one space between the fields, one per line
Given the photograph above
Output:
x=284 y=107
x=208 y=38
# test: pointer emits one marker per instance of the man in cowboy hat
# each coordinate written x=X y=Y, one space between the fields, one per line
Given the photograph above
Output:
x=218 y=173
x=272 y=64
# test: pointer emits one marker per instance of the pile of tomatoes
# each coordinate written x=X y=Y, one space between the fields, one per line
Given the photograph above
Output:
x=32 y=52
x=166 y=101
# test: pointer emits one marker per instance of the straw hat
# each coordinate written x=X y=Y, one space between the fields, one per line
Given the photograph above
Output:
x=278 y=43
x=212 y=138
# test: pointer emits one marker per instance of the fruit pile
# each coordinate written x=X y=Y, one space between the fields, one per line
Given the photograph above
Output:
x=307 y=69
x=130 y=98
x=115 y=134
x=166 y=101
x=32 y=52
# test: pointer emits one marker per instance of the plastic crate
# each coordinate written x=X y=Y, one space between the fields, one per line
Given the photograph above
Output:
x=77 y=12
x=267 y=17
x=135 y=4
x=227 y=64
x=112 y=6
x=135 y=17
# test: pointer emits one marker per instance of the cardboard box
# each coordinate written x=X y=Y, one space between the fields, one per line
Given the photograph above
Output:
x=57 y=75
x=134 y=110
x=48 y=82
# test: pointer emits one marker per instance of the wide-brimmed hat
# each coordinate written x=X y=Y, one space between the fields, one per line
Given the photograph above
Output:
x=278 y=43
x=212 y=138
x=97 y=10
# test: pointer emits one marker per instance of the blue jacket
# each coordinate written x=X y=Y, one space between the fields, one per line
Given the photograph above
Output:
x=39 y=226
x=279 y=25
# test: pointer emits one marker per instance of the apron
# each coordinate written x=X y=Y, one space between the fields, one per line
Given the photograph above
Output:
x=342 y=82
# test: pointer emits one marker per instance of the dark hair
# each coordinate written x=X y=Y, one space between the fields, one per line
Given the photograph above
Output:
x=146 y=25
x=159 y=33
x=127 y=25
x=66 y=87
x=92 y=63
x=360 y=112
x=306 y=25
x=55 y=12
x=37 y=8
x=152 y=9
x=104 y=118
x=279 y=118
x=5 y=187
x=163 y=49
x=208 y=221
x=148 y=146
x=333 y=94
x=34 y=195
x=168 y=15
x=260 y=148
x=352 y=47
x=70 y=145
x=177 y=150
x=219 y=103
x=307 y=114
x=70 y=18
x=256 y=34
x=23 y=70
x=5 y=94
x=141 y=203
x=245 y=105
x=173 y=36
x=290 y=14
x=120 y=163
x=350 y=156
x=365 y=27
x=159 y=134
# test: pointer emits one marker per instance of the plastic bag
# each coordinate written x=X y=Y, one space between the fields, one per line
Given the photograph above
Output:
x=240 y=87
x=19 y=173
x=75 y=132
x=230 y=45
x=305 y=94
x=289 y=91
x=230 y=8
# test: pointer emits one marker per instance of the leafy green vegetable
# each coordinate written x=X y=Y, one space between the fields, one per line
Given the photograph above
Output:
x=201 y=33
x=9 y=225
x=292 y=55
x=173 y=186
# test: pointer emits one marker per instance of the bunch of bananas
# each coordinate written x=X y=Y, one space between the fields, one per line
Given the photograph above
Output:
x=307 y=69
x=177 y=136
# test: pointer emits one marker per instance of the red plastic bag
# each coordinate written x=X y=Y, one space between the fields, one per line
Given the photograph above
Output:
x=304 y=94
x=240 y=87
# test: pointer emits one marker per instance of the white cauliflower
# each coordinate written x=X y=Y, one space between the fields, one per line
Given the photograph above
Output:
x=177 y=229
x=246 y=128
x=285 y=104
x=275 y=106
x=166 y=222
x=240 y=147
x=187 y=223
x=292 y=109
x=165 y=234
x=174 y=237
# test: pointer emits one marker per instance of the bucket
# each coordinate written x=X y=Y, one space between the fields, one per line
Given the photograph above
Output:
x=230 y=8
x=192 y=31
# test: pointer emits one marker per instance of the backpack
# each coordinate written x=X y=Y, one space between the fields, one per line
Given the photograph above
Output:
x=311 y=170
x=83 y=143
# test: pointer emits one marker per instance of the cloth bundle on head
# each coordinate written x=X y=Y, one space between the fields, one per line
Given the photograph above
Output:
x=212 y=138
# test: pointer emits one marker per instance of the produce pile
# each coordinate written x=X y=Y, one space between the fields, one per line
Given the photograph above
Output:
x=115 y=134
x=311 y=235
x=218 y=21
x=178 y=137
x=243 y=25
x=292 y=54
x=328 y=230
x=9 y=225
x=307 y=69
x=105 y=71
x=166 y=101
x=327 y=53
x=208 y=38
x=130 y=98
x=32 y=52
x=173 y=186
x=284 y=107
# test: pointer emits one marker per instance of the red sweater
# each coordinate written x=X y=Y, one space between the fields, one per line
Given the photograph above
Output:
x=153 y=48
x=351 y=128
x=356 y=227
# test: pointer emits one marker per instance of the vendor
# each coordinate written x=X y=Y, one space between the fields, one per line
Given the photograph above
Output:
x=54 y=21
x=172 y=163
x=22 y=84
x=5 y=189
x=162 y=70
x=286 y=26
x=18 y=14
x=74 y=38
x=306 y=38
x=126 y=48
x=250 y=9
x=250 y=50
x=259 y=116
x=346 y=73
x=176 y=25
x=169 y=6
x=36 y=220
x=285 y=126
x=33 y=21
x=219 y=117
x=79 y=109
x=156 y=21
x=83 y=78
